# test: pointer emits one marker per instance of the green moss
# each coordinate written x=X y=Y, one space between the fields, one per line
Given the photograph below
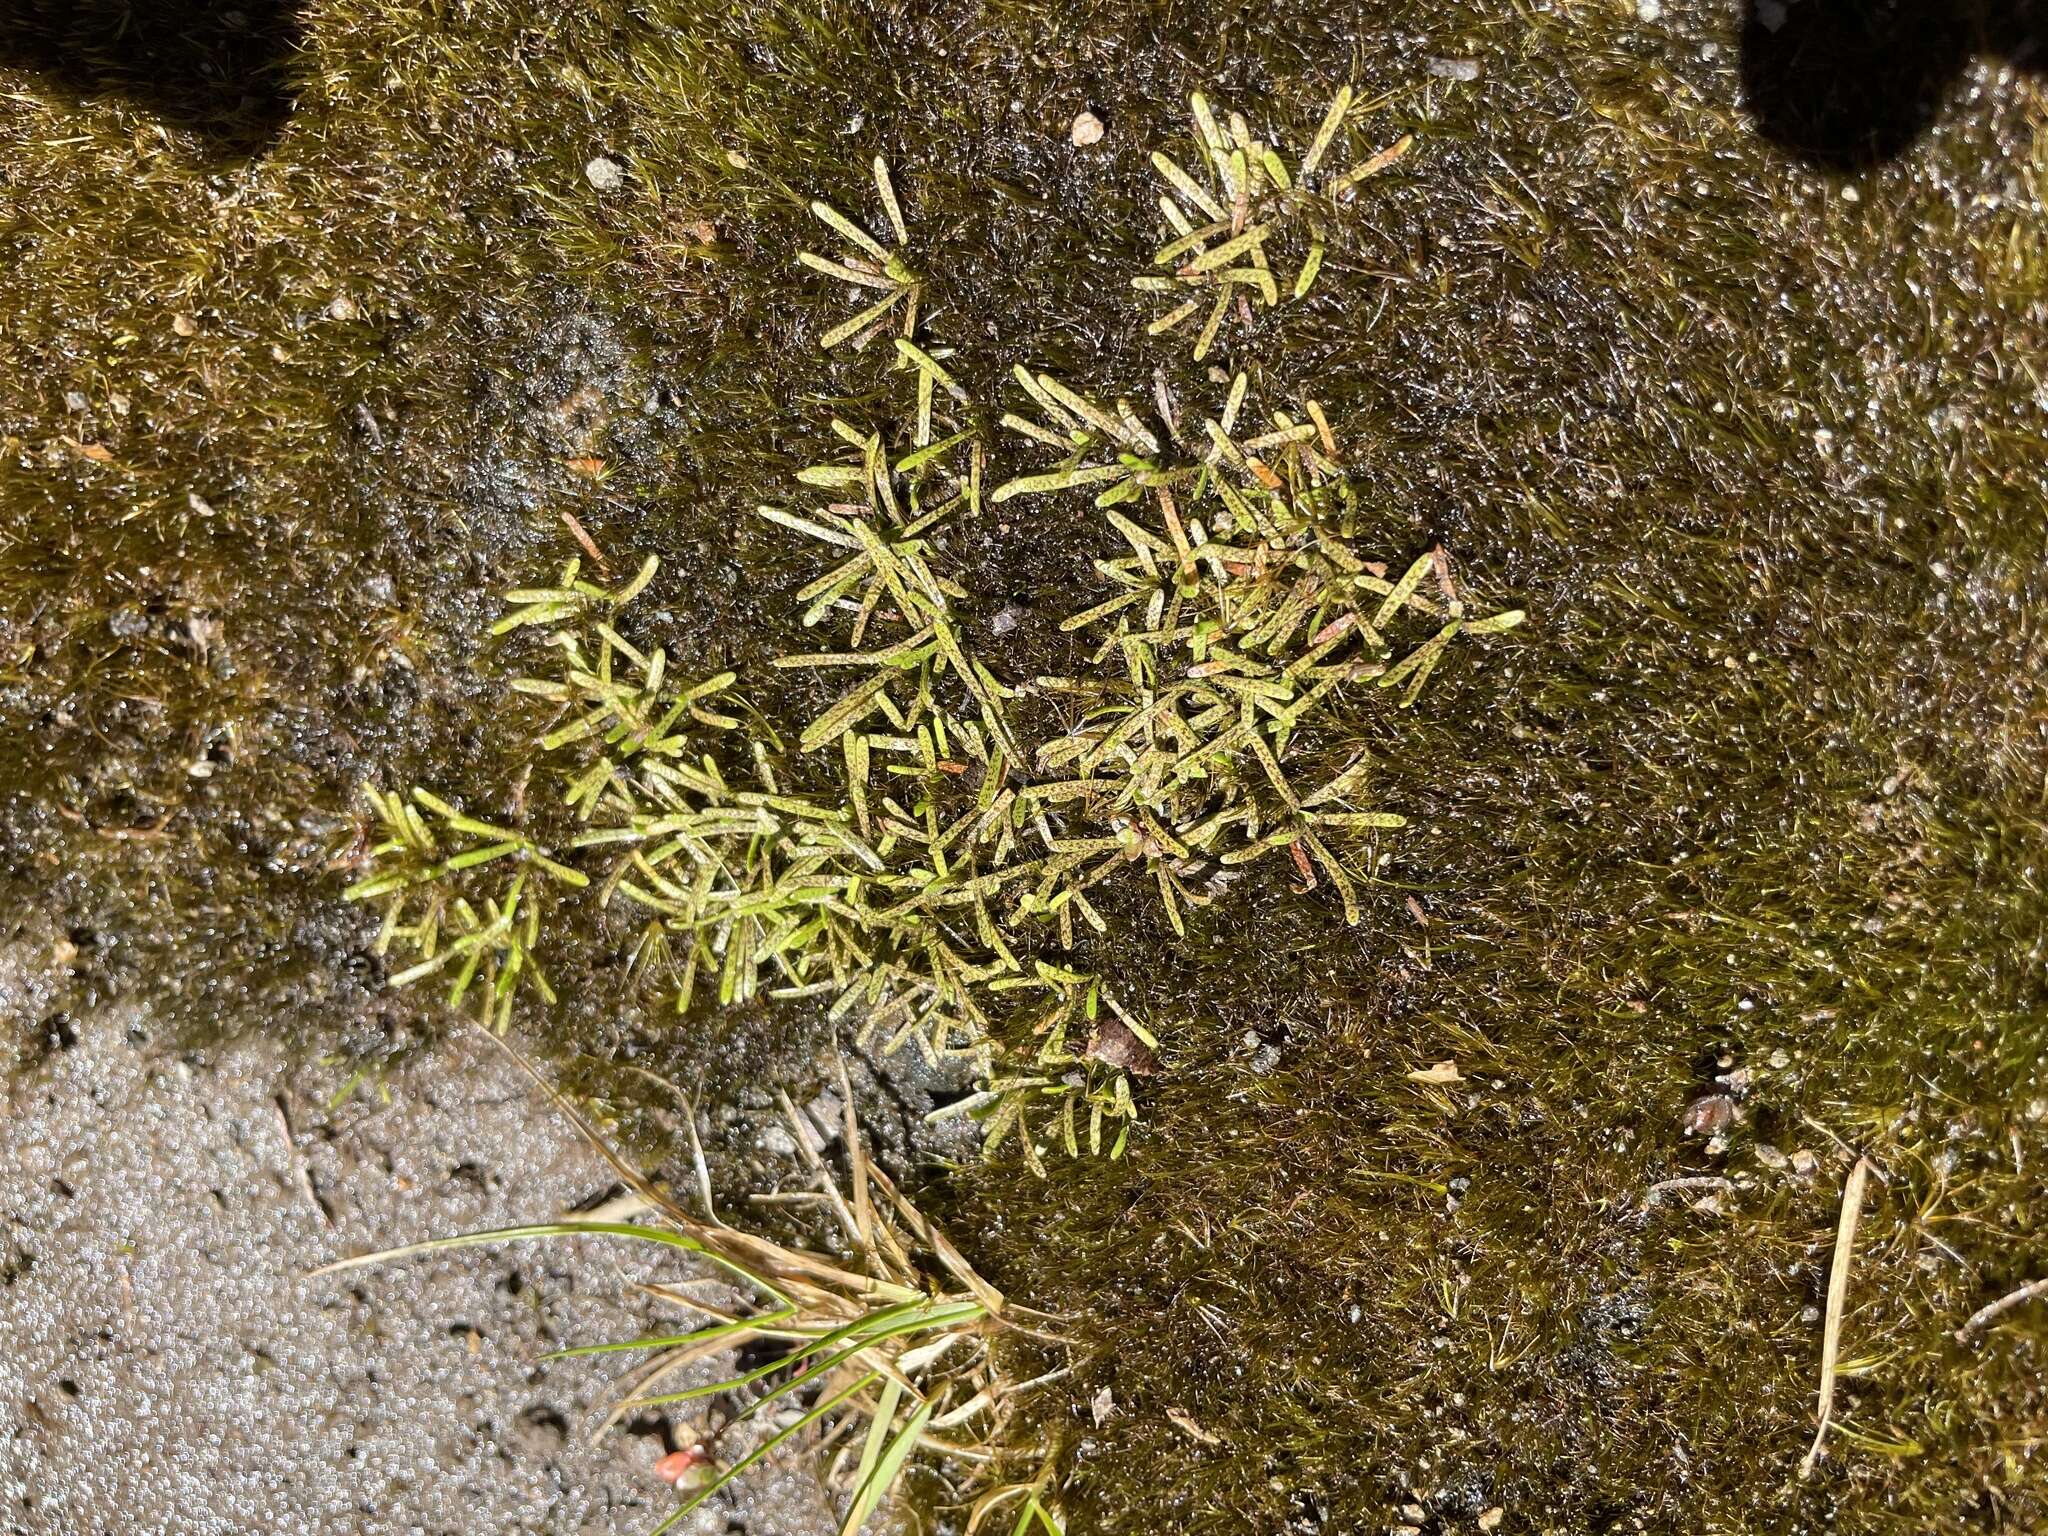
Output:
x=1763 y=460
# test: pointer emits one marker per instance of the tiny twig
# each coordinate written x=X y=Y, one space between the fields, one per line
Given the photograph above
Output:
x=1838 y=1295
x=1058 y=1373
x=688 y=1106
x=291 y=1152
x=1984 y=1317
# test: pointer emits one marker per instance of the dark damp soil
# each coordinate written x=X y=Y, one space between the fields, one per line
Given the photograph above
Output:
x=1752 y=810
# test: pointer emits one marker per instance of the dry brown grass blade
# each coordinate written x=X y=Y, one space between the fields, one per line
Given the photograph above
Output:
x=650 y=1375
x=697 y=1163
x=807 y=1144
x=1838 y=1296
x=857 y=1158
x=786 y=1266
x=676 y=1298
x=630 y=1176
x=882 y=1235
x=792 y=1268
x=939 y=1244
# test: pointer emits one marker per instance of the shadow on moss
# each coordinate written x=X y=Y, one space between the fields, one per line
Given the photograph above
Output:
x=219 y=72
x=1847 y=84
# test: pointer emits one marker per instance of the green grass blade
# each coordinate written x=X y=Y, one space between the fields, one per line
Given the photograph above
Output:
x=766 y=1448
x=673 y=1340
x=515 y=1235
x=888 y=1469
x=865 y=1492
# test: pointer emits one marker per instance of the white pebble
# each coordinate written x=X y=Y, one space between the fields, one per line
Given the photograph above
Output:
x=605 y=174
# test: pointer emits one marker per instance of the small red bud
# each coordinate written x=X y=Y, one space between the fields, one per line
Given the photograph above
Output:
x=677 y=1465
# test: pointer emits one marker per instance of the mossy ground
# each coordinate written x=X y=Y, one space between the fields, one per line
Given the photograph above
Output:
x=1761 y=451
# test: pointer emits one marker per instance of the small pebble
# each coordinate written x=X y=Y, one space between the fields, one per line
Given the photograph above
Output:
x=1649 y=10
x=645 y=1448
x=828 y=1114
x=1709 y=1115
x=1087 y=130
x=74 y=401
x=1454 y=69
x=1265 y=1056
x=1771 y=1157
x=1491 y=1519
x=1805 y=1164
x=605 y=174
